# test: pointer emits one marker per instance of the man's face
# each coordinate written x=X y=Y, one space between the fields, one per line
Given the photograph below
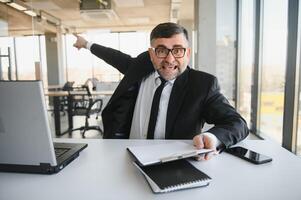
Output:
x=173 y=64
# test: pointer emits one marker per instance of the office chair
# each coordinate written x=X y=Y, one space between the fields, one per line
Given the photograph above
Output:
x=92 y=83
x=62 y=103
x=85 y=105
x=68 y=86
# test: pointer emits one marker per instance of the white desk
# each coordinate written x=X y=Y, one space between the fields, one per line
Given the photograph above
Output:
x=104 y=171
x=65 y=93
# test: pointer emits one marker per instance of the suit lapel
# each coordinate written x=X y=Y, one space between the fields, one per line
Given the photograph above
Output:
x=177 y=95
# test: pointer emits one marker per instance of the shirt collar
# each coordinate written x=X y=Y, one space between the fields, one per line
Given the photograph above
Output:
x=158 y=81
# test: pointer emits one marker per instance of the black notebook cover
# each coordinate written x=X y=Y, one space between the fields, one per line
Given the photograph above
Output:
x=175 y=175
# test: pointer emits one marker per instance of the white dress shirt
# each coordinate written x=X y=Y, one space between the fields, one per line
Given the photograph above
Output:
x=143 y=107
x=88 y=46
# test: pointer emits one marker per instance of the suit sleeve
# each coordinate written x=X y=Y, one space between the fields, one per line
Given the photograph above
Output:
x=230 y=127
x=117 y=59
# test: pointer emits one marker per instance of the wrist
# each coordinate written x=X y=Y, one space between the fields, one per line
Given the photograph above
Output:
x=88 y=45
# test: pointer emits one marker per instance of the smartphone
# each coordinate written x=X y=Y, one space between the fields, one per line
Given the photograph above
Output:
x=248 y=155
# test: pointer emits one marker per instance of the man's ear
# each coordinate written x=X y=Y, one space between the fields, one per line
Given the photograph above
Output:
x=151 y=53
x=188 y=52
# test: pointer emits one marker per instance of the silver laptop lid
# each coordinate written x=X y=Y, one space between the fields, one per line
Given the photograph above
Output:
x=25 y=136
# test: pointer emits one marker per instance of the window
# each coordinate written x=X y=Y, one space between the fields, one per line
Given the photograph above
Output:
x=226 y=47
x=103 y=71
x=273 y=65
x=298 y=145
x=82 y=65
x=246 y=58
x=79 y=63
x=28 y=56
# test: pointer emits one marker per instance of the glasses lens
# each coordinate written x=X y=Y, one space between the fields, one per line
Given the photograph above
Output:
x=178 y=52
x=161 y=52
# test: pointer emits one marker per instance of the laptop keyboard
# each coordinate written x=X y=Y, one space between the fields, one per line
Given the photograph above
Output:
x=60 y=151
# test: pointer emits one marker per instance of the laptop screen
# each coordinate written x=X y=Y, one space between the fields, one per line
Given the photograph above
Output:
x=25 y=136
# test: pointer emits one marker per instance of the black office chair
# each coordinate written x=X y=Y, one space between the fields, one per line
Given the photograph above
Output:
x=63 y=100
x=68 y=86
x=85 y=105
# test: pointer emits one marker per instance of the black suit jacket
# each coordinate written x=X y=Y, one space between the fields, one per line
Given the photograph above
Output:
x=195 y=99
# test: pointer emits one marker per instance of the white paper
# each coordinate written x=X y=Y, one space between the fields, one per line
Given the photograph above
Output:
x=150 y=154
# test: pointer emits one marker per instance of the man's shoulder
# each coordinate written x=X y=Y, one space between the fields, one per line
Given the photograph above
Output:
x=144 y=56
x=143 y=60
x=203 y=80
x=200 y=75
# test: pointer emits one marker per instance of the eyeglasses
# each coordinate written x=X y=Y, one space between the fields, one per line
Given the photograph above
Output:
x=177 y=52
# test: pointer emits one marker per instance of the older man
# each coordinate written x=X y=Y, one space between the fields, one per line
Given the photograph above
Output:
x=161 y=97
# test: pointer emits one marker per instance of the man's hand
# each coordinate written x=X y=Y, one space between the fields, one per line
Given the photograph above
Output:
x=80 y=42
x=204 y=141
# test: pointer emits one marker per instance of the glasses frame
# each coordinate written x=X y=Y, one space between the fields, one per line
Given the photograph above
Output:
x=169 y=51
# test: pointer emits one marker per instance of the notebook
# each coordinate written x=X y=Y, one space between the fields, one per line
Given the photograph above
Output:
x=25 y=138
x=166 y=152
x=174 y=175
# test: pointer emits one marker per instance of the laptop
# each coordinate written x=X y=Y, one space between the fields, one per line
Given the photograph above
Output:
x=25 y=138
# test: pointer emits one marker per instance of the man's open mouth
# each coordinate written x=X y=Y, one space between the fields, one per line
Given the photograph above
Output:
x=170 y=67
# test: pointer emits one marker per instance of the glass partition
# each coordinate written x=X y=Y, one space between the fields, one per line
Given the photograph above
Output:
x=22 y=48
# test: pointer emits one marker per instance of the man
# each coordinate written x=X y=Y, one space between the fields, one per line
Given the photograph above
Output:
x=189 y=98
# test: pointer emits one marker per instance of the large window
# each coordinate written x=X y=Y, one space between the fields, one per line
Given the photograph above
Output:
x=79 y=63
x=270 y=54
x=29 y=57
x=298 y=145
x=273 y=63
x=226 y=47
x=246 y=58
x=82 y=65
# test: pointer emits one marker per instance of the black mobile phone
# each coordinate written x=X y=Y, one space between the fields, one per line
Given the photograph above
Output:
x=249 y=155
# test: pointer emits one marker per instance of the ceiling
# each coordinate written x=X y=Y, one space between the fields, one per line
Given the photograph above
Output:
x=66 y=16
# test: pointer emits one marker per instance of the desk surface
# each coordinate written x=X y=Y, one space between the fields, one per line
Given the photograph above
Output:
x=55 y=86
x=65 y=93
x=104 y=171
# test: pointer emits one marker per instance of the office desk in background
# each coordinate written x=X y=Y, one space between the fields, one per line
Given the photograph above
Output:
x=56 y=106
x=104 y=171
x=54 y=87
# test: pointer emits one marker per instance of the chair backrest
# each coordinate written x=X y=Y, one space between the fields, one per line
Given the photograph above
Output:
x=91 y=83
x=88 y=90
x=68 y=86
x=84 y=104
x=80 y=100
x=95 y=107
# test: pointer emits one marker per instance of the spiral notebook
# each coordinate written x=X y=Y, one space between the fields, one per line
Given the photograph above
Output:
x=174 y=175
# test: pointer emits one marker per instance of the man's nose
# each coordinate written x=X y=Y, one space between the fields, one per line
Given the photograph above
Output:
x=170 y=58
